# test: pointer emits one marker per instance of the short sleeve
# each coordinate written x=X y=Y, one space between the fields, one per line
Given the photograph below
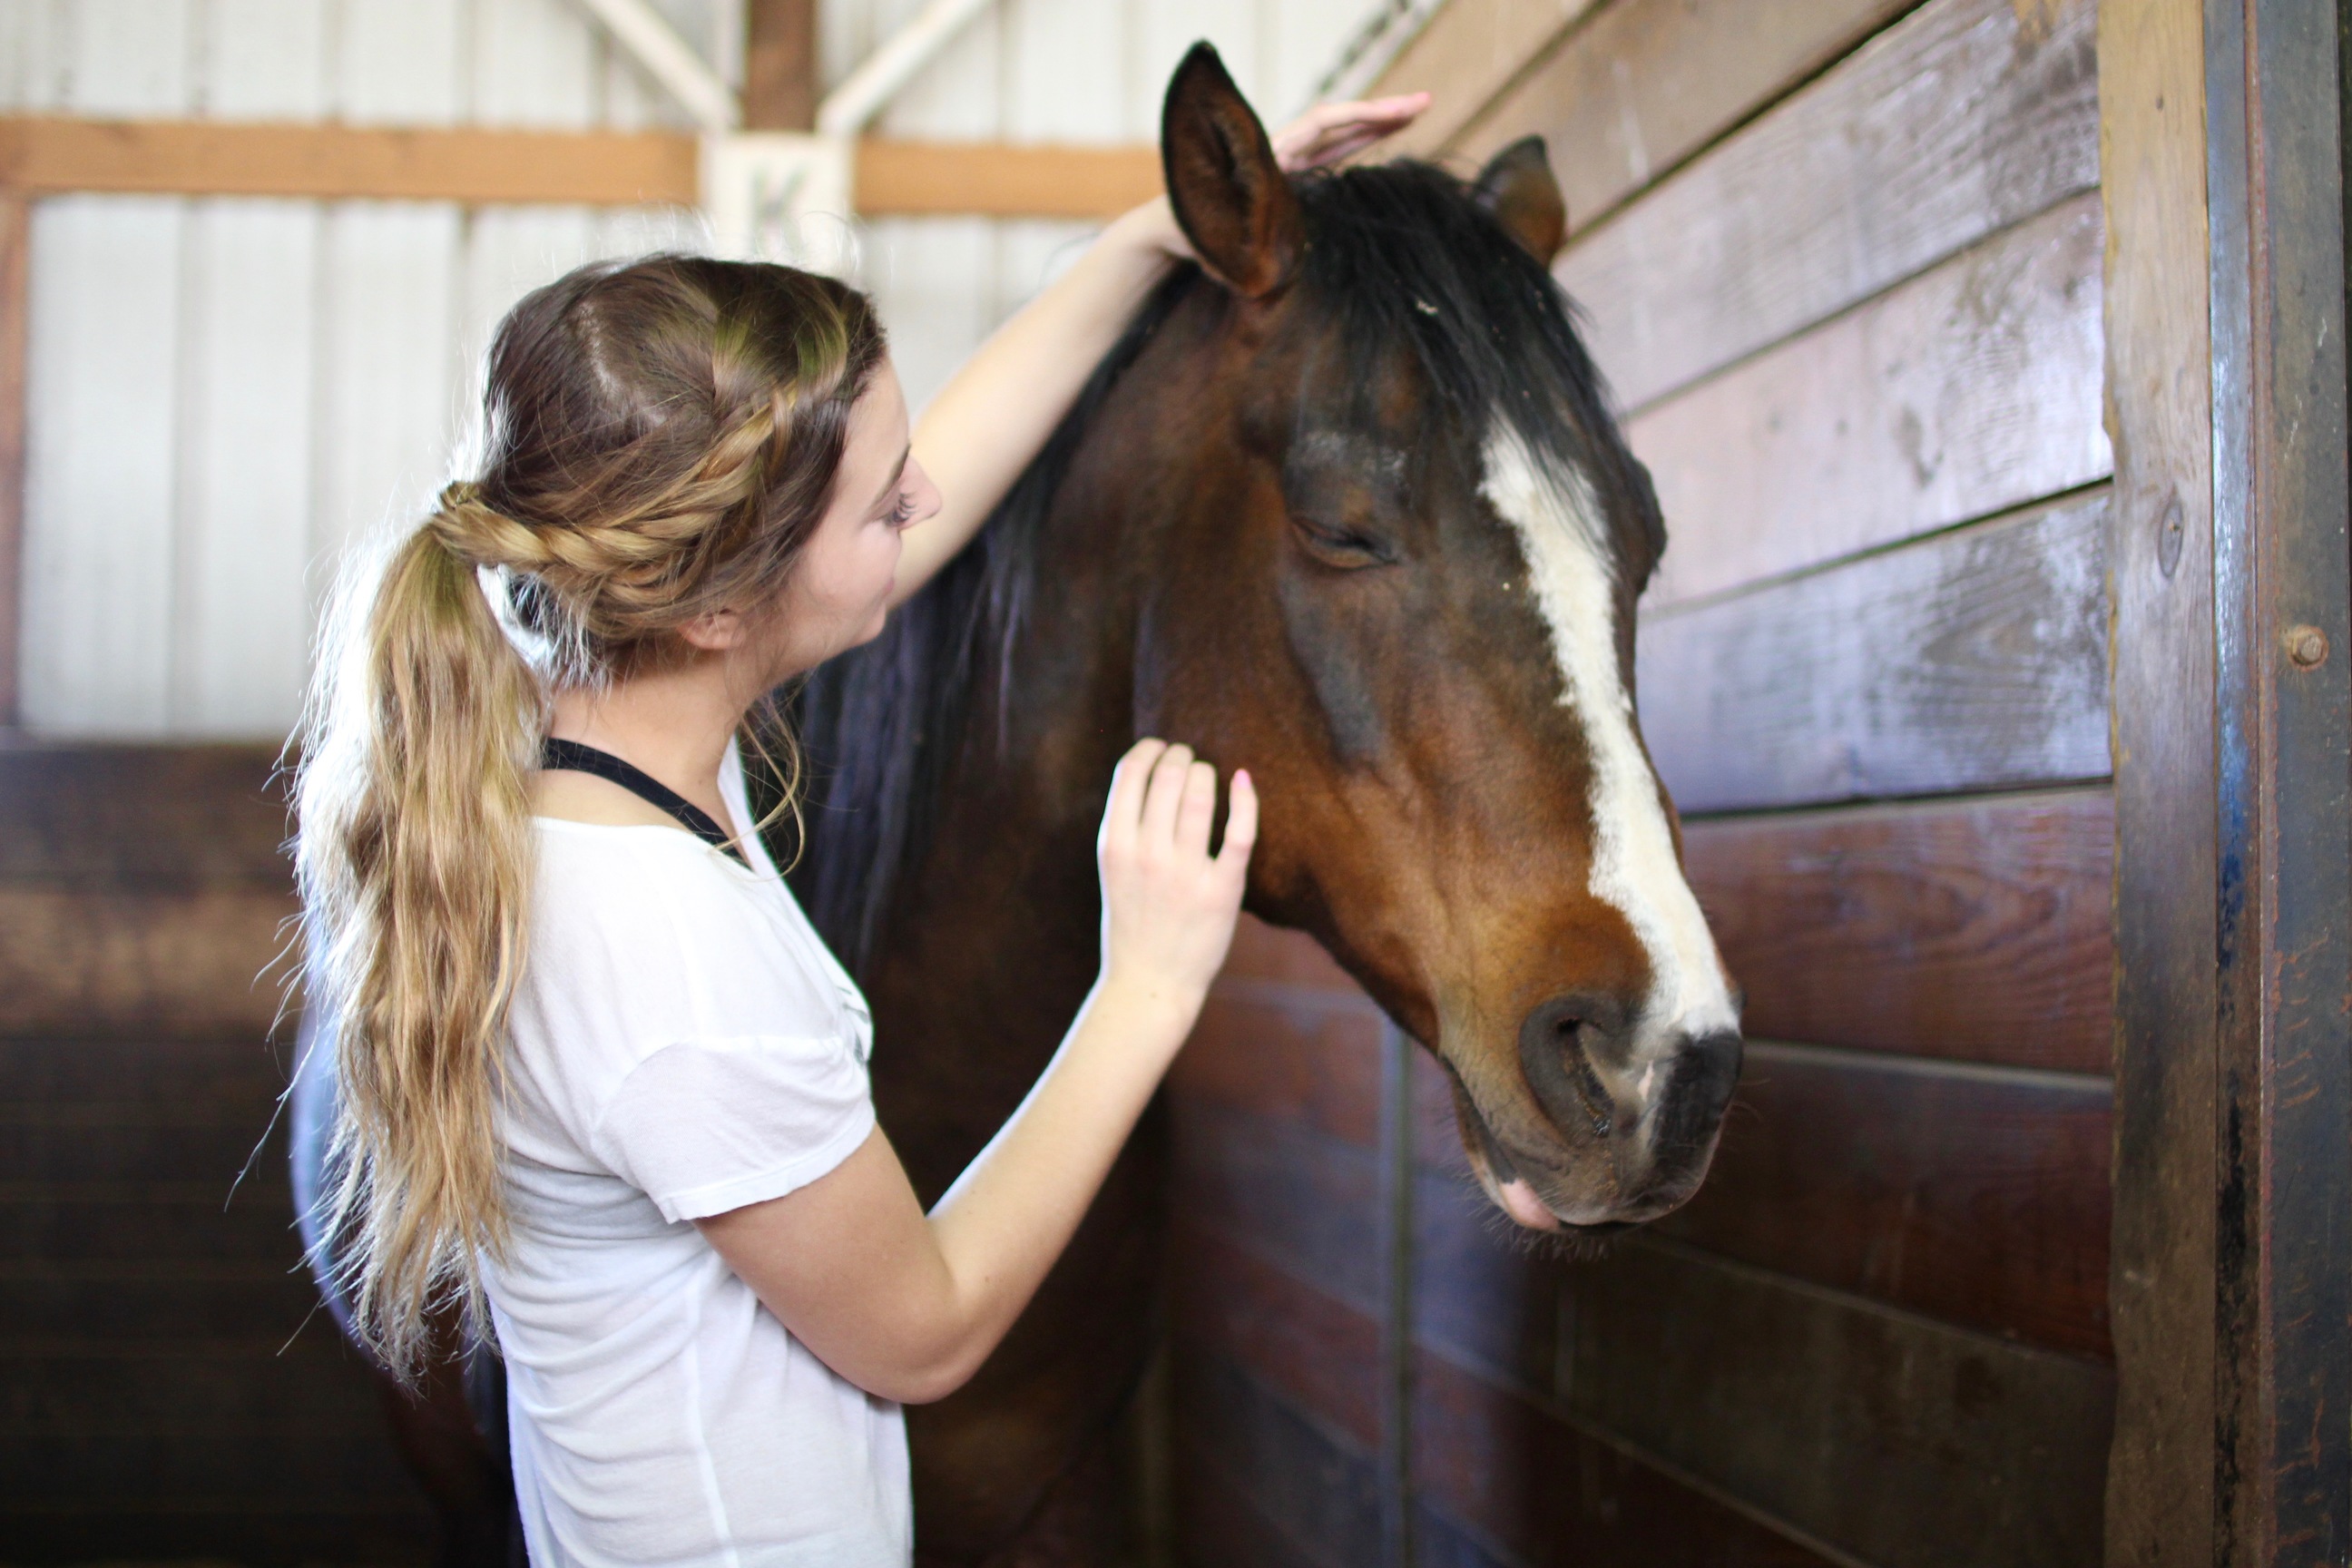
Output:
x=704 y=1126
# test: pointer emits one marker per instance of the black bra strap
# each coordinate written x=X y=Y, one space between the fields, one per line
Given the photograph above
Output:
x=571 y=756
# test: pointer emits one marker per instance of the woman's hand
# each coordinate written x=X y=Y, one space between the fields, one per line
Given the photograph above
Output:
x=1324 y=134
x=1331 y=131
x=1169 y=905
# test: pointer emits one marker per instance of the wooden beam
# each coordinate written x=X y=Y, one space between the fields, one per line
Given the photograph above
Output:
x=53 y=156
x=946 y=177
x=16 y=271
x=1470 y=53
x=2160 y=1473
x=779 y=85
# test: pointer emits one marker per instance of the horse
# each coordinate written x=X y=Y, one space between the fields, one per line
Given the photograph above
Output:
x=1345 y=506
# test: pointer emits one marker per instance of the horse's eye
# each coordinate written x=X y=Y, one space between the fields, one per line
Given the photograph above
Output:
x=1342 y=547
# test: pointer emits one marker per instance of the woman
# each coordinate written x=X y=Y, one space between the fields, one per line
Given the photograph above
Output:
x=598 y=1079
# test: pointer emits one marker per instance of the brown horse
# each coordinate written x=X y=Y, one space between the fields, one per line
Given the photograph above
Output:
x=1346 y=506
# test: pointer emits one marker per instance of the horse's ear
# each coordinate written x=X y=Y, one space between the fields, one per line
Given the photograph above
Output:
x=1519 y=188
x=1230 y=197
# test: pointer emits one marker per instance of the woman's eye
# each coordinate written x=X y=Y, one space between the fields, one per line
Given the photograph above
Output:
x=1338 y=546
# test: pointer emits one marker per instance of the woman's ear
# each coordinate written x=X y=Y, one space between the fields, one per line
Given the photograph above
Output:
x=717 y=632
x=1518 y=187
x=1230 y=197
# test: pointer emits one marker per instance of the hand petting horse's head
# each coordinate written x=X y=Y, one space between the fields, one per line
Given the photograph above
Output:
x=1403 y=452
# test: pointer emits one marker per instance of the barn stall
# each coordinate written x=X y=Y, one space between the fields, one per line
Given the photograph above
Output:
x=1989 y=665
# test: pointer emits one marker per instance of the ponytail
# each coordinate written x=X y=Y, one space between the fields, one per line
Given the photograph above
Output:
x=414 y=864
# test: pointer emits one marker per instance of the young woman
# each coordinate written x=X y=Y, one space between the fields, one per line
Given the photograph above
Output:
x=594 y=1070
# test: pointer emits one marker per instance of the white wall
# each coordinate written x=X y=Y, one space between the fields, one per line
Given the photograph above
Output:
x=223 y=391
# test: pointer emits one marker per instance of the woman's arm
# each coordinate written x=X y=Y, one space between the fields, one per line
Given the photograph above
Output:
x=987 y=423
x=907 y=1307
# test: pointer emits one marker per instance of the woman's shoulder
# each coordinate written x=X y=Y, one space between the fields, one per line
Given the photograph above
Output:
x=653 y=919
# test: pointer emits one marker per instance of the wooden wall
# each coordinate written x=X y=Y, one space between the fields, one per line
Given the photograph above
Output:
x=167 y=1388
x=1843 y=263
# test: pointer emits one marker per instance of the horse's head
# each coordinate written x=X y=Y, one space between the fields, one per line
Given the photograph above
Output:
x=1402 y=592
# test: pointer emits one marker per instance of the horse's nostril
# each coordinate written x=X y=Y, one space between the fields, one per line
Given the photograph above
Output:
x=1558 y=1042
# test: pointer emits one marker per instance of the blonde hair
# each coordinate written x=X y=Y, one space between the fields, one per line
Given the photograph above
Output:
x=660 y=440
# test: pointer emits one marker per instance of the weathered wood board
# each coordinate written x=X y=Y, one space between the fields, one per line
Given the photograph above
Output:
x=1970 y=390
x=1978 y=112
x=1973 y=661
x=1974 y=929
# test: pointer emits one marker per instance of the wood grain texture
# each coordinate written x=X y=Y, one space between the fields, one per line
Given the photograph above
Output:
x=142 y=816
x=1303 y=1201
x=1320 y=1354
x=16 y=305
x=1982 y=112
x=1975 y=659
x=1628 y=97
x=1972 y=389
x=1976 y=930
x=52 y=155
x=2160 y=1502
x=1465 y=56
x=1281 y=1052
x=1216 y=1526
x=187 y=964
x=1320 y=1491
x=779 y=65
x=1521 y=1481
x=46 y=154
x=1974 y=1195
x=1896 y=1439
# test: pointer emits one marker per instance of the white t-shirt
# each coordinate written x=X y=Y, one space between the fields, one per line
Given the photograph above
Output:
x=683 y=1045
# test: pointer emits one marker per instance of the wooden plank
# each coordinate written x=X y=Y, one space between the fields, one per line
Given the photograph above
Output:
x=1319 y=1492
x=1215 y=1526
x=142 y=816
x=1975 y=659
x=392 y=1530
x=1482 y=1295
x=186 y=963
x=240 y=1075
x=54 y=155
x=1973 y=928
x=1628 y=97
x=779 y=65
x=1320 y=1354
x=1465 y=56
x=1973 y=389
x=193 y=1388
x=1975 y=1195
x=103 y=381
x=1981 y=112
x=1901 y=1441
x=1304 y=1203
x=2160 y=1502
x=1295 y=1057
x=15 y=306
x=1524 y=1482
x=909 y=177
x=1288 y=958
x=2283 y=591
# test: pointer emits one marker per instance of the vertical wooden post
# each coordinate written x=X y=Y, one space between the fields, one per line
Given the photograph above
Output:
x=2283 y=593
x=16 y=267
x=2227 y=388
x=779 y=65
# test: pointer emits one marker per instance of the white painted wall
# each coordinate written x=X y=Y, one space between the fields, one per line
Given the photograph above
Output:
x=225 y=391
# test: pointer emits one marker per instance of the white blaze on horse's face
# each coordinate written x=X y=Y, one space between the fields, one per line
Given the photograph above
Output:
x=1634 y=870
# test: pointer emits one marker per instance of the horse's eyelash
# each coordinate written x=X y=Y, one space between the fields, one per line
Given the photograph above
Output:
x=902 y=512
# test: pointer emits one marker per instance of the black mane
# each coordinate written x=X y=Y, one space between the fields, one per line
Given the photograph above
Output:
x=1403 y=261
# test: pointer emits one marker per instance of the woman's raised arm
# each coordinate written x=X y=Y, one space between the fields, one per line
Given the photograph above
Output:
x=987 y=423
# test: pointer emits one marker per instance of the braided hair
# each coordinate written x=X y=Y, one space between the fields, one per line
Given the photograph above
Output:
x=661 y=438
